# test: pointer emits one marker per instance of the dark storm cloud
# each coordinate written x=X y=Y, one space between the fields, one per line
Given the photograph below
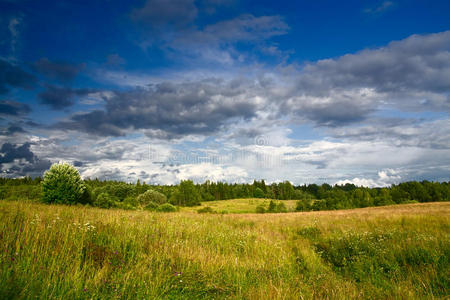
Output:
x=12 y=76
x=19 y=160
x=60 y=98
x=169 y=110
x=156 y=13
x=13 y=108
x=60 y=71
x=10 y=152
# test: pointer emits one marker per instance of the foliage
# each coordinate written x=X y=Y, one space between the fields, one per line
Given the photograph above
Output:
x=205 y=210
x=104 y=201
x=151 y=206
x=151 y=196
x=62 y=184
x=260 y=209
x=166 y=207
x=258 y=193
x=186 y=194
x=310 y=197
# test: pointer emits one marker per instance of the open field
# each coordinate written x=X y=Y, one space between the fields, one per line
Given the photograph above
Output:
x=239 y=206
x=76 y=252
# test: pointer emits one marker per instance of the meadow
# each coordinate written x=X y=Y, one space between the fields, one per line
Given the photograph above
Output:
x=238 y=206
x=81 y=252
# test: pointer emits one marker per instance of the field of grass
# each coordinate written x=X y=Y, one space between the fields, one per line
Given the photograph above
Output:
x=239 y=206
x=62 y=252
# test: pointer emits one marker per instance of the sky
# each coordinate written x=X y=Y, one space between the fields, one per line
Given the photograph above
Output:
x=225 y=90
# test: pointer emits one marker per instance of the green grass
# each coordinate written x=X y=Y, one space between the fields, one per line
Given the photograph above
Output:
x=62 y=252
x=239 y=206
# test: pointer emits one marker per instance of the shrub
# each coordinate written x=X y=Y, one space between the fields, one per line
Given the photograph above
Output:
x=205 y=210
x=151 y=206
x=62 y=184
x=281 y=207
x=131 y=201
x=272 y=206
x=151 y=196
x=166 y=207
x=260 y=209
x=104 y=201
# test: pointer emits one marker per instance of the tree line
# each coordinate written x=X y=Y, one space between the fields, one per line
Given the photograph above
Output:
x=108 y=193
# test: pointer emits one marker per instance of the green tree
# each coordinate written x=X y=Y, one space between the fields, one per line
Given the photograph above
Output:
x=62 y=184
x=186 y=194
x=258 y=193
x=151 y=196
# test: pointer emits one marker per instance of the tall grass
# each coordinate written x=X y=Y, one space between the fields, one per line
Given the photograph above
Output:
x=87 y=253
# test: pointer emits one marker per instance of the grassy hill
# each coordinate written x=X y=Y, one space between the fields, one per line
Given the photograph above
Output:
x=75 y=252
x=239 y=206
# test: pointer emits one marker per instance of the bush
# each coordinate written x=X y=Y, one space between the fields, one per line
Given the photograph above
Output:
x=151 y=206
x=166 y=207
x=151 y=196
x=104 y=201
x=272 y=206
x=205 y=210
x=131 y=201
x=62 y=184
x=281 y=207
x=260 y=209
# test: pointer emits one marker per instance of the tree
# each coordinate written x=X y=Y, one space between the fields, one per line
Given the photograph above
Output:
x=151 y=196
x=62 y=184
x=186 y=194
x=258 y=193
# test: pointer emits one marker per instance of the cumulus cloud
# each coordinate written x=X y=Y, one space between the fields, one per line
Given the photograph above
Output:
x=410 y=74
x=385 y=178
x=61 y=97
x=19 y=160
x=169 y=110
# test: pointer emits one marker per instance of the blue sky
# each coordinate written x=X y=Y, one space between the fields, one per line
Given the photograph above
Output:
x=227 y=90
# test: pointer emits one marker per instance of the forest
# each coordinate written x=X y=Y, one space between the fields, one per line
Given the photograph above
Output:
x=311 y=197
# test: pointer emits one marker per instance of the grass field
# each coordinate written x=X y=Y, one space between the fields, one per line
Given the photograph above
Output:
x=239 y=206
x=62 y=252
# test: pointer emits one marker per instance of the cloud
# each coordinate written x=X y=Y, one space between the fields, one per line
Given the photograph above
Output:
x=13 y=108
x=434 y=134
x=160 y=13
x=12 y=129
x=59 y=98
x=12 y=76
x=411 y=74
x=115 y=60
x=171 y=110
x=385 y=178
x=60 y=71
x=385 y=5
x=19 y=160
x=243 y=28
